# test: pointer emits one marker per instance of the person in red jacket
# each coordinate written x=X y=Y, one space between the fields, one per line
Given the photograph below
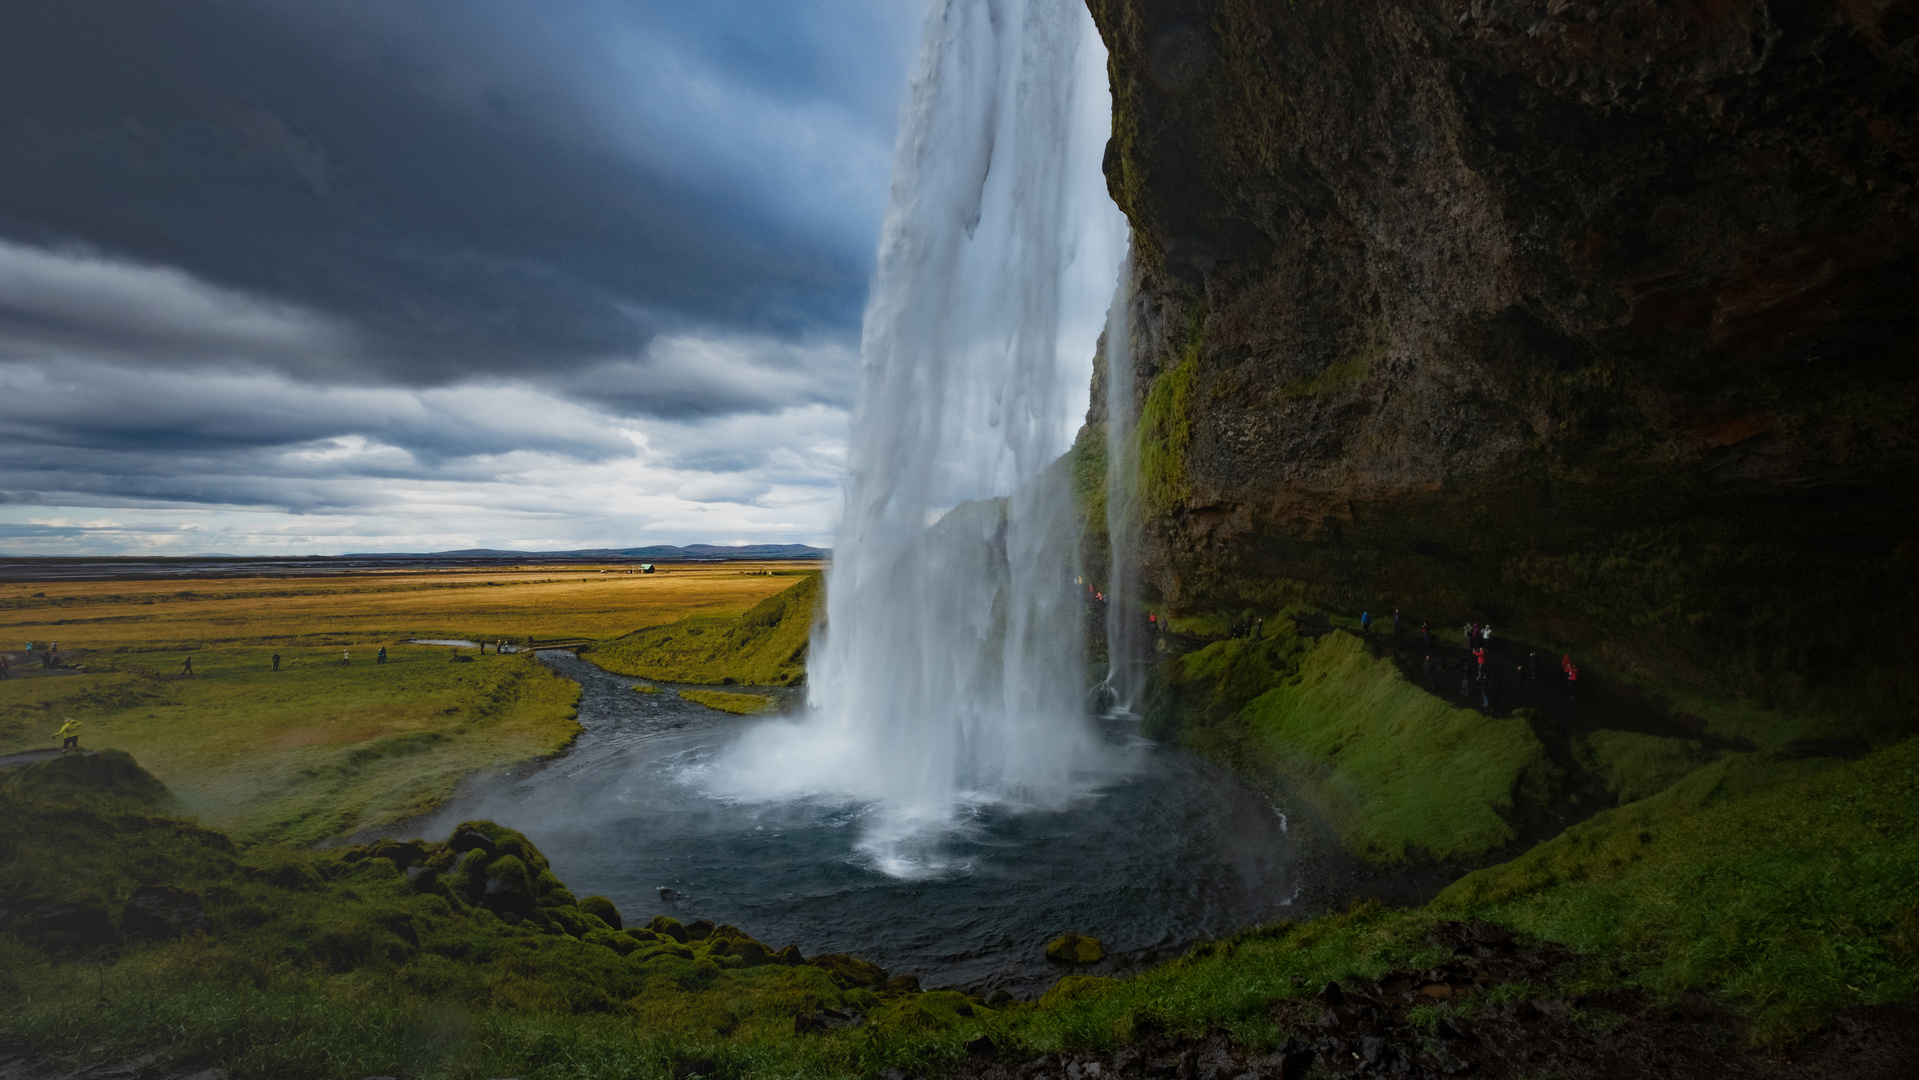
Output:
x=1572 y=673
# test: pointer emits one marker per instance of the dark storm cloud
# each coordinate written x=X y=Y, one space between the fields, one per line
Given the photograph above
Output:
x=444 y=189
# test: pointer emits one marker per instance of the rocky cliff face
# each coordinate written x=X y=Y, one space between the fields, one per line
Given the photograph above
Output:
x=1596 y=319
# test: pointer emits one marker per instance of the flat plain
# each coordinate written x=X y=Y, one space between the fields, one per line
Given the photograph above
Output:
x=323 y=748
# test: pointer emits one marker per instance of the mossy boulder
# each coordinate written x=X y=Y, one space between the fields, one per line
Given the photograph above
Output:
x=109 y=779
x=1075 y=949
x=668 y=926
x=602 y=908
x=850 y=971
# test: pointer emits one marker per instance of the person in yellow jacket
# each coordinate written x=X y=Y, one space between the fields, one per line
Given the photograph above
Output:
x=70 y=734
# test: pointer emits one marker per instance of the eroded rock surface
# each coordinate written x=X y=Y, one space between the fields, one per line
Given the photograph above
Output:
x=1596 y=318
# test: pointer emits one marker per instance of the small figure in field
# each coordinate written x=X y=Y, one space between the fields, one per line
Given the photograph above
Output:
x=70 y=735
x=3 y=669
x=187 y=668
x=1465 y=681
x=381 y=659
x=345 y=657
x=1532 y=667
x=276 y=661
x=1365 y=624
x=1426 y=636
x=1486 y=690
x=1486 y=636
x=1479 y=658
x=482 y=648
x=1426 y=669
x=1259 y=628
x=1395 y=624
x=1572 y=674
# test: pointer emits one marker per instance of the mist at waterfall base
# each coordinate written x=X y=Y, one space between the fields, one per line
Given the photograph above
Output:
x=1177 y=850
x=950 y=673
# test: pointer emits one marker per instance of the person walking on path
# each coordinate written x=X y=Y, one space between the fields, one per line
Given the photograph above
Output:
x=1485 y=690
x=69 y=735
x=345 y=656
x=1365 y=624
x=1479 y=658
x=187 y=668
x=1486 y=636
x=1426 y=636
x=1532 y=667
x=276 y=661
x=1426 y=669
x=382 y=657
x=1395 y=624
x=1572 y=674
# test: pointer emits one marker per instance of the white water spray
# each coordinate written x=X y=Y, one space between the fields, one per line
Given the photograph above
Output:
x=1125 y=629
x=951 y=669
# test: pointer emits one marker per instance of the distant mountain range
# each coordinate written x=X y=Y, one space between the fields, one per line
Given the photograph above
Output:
x=661 y=552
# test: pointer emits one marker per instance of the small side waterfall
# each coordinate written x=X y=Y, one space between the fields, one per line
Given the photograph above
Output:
x=951 y=670
x=1125 y=621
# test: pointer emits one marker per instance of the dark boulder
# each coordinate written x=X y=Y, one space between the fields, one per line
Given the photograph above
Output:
x=825 y=1020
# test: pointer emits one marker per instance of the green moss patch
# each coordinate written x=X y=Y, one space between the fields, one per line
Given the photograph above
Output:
x=738 y=704
x=1635 y=766
x=1393 y=767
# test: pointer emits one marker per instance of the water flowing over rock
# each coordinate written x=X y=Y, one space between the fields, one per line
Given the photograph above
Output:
x=950 y=669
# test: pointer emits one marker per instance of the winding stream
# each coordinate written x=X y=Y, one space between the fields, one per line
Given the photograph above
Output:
x=1178 y=851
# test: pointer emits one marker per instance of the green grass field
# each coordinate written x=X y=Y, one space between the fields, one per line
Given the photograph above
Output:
x=766 y=646
x=315 y=750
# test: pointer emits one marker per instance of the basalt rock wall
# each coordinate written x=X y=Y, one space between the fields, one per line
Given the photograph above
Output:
x=1596 y=320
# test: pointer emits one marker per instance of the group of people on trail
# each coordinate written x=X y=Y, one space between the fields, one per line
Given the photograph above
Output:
x=1479 y=673
x=49 y=657
x=1366 y=624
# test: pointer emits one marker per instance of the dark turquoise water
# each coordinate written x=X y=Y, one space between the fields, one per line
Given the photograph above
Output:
x=1174 y=852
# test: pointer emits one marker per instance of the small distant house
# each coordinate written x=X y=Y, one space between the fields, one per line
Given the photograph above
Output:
x=646 y=568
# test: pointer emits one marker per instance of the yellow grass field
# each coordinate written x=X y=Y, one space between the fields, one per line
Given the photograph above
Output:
x=321 y=749
x=542 y=602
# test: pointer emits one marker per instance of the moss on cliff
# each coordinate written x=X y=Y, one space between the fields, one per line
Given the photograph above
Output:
x=1165 y=433
x=1394 y=770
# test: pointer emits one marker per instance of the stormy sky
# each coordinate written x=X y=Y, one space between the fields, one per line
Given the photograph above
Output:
x=319 y=276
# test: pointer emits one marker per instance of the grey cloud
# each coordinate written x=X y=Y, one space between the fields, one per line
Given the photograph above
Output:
x=474 y=187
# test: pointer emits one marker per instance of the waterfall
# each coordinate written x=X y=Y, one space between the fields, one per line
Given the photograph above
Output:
x=1125 y=621
x=950 y=670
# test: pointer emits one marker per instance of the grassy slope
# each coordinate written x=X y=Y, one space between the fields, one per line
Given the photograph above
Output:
x=1787 y=887
x=764 y=647
x=1394 y=769
x=314 y=750
x=738 y=704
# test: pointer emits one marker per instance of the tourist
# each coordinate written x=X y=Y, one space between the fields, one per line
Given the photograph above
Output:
x=1395 y=624
x=345 y=657
x=381 y=658
x=1426 y=636
x=1532 y=667
x=187 y=668
x=1465 y=681
x=1486 y=635
x=1426 y=669
x=70 y=735
x=1365 y=624
x=1479 y=656
x=1485 y=690
x=3 y=668
x=1572 y=673
x=276 y=661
